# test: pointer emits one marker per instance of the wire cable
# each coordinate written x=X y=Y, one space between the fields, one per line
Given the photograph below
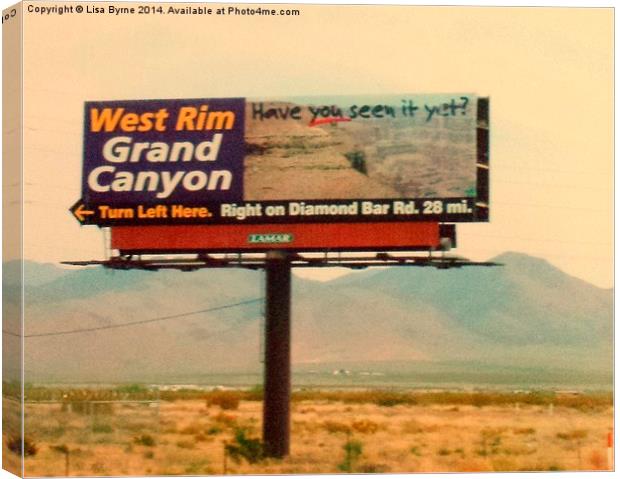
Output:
x=133 y=323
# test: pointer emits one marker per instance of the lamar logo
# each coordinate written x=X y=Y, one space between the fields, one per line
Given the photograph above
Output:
x=270 y=238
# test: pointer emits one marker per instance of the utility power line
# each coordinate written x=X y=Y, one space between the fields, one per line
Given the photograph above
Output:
x=134 y=323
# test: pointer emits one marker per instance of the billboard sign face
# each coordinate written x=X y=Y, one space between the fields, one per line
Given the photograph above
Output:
x=293 y=160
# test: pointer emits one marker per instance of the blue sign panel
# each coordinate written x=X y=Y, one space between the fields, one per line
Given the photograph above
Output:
x=163 y=151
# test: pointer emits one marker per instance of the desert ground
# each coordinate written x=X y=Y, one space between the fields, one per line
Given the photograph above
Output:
x=331 y=432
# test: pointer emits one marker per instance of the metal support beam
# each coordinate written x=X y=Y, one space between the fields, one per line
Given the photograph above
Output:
x=276 y=407
x=296 y=260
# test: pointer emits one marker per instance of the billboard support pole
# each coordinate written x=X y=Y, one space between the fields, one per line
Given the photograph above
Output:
x=277 y=390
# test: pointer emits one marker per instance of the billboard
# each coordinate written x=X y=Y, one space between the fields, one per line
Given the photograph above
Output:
x=380 y=158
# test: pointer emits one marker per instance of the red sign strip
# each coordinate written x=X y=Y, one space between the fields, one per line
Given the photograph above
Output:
x=296 y=237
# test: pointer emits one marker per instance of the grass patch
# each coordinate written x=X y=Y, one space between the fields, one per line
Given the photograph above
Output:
x=365 y=426
x=198 y=468
x=372 y=468
x=352 y=451
x=186 y=444
x=572 y=435
x=243 y=447
x=27 y=448
x=54 y=433
x=102 y=429
x=228 y=400
x=226 y=420
x=144 y=440
x=490 y=441
x=79 y=398
x=415 y=427
x=192 y=429
x=334 y=427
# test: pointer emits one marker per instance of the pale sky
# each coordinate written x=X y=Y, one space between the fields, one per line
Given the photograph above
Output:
x=547 y=71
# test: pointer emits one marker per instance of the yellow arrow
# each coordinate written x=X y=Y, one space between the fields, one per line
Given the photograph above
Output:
x=80 y=213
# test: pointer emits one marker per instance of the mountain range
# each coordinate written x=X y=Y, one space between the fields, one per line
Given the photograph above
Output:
x=523 y=318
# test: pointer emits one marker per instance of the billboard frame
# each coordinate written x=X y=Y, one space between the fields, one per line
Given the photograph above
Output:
x=460 y=209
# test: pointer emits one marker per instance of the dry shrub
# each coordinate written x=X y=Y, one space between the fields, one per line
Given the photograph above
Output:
x=503 y=464
x=228 y=400
x=335 y=427
x=183 y=394
x=102 y=408
x=485 y=398
x=524 y=430
x=248 y=425
x=256 y=393
x=518 y=450
x=102 y=428
x=225 y=419
x=412 y=427
x=98 y=468
x=390 y=399
x=573 y=435
x=353 y=450
x=14 y=445
x=379 y=397
x=372 y=468
x=473 y=465
x=365 y=426
x=581 y=401
x=490 y=440
x=192 y=429
x=53 y=432
x=586 y=402
x=136 y=427
x=490 y=432
x=214 y=430
x=186 y=444
x=415 y=427
x=200 y=467
x=244 y=447
x=597 y=461
x=306 y=426
x=145 y=440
